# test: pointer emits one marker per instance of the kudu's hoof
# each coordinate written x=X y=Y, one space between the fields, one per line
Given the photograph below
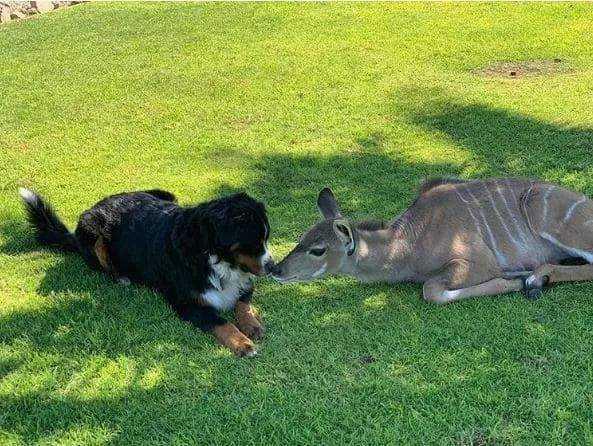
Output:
x=534 y=287
x=533 y=293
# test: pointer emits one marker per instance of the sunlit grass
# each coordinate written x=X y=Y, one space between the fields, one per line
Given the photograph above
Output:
x=282 y=100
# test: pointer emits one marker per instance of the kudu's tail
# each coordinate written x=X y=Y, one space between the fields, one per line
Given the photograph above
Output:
x=49 y=229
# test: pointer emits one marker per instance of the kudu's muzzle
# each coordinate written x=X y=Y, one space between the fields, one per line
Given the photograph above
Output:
x=270 y=267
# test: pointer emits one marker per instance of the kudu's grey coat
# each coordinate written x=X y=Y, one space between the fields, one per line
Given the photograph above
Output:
x=460 y=238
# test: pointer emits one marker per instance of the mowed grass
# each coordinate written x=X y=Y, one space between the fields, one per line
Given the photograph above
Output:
x=281 y=100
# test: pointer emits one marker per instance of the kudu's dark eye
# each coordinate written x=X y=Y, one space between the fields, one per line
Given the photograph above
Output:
x=317 y=252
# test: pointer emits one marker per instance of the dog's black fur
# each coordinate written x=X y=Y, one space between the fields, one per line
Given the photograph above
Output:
x=151 y=240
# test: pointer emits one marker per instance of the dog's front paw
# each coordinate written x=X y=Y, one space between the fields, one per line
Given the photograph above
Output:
x=244 y=349
x=252 y=328
x=237 y=342
x=247 y=321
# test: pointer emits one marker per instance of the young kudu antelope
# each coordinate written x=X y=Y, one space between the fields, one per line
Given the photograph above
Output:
x=460 y=238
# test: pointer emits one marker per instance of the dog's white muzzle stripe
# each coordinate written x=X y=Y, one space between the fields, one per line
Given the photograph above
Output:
x=266 y=257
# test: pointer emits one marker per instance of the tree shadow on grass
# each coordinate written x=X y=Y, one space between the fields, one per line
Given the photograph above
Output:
x=336 y=325
x=17 y=237
x=369 y=179
x=96 y=324
x=506 y=143
x=127 y=357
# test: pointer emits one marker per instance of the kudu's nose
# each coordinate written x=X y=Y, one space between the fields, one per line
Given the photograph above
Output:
x=270 y=267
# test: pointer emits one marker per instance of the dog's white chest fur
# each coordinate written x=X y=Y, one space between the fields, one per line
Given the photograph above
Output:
x=227 y=283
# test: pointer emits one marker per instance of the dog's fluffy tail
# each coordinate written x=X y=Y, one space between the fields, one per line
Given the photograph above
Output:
x=49 y=230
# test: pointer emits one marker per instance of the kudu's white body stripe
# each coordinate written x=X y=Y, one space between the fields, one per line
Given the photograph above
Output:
x=572 y=208
x=494 y=246
x=502 y=222
x=513 y=215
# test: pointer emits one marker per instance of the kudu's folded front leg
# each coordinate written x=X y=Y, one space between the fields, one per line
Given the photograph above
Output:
x=450 y=284
x=437 y=292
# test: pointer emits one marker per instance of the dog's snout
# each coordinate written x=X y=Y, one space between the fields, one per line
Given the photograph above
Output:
x=270 y=267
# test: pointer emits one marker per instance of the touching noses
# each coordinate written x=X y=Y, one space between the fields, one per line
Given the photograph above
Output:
x=270 y=267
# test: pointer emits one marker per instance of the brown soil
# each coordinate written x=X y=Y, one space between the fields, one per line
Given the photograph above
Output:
x=545 y=67
x=14 y=10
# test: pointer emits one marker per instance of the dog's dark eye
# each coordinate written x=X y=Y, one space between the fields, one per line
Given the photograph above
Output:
x=317 y=252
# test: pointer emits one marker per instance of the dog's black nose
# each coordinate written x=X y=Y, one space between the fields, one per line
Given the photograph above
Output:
x=271 y=268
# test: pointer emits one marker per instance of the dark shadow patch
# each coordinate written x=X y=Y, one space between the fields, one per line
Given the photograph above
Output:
x=9 y=365
x=18 y=237
x=367 y=359
x=507 y=143
x=372 y=142
x=289 y=185
x=228 y=189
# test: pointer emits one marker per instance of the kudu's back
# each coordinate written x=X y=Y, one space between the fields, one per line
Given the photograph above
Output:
x=506 y=223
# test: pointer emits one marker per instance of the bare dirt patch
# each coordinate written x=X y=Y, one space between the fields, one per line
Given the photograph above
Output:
x=14 y=10
x=543 y=67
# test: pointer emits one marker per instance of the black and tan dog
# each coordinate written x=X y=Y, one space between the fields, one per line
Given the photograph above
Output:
x=201 y=258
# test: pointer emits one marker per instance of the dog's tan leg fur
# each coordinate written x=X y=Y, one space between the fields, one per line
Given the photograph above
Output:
x=103 y=255
x=230 y=336
x=247 y=320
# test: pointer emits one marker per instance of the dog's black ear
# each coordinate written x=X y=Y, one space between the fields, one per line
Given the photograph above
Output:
x=227 y=231
x=223 y=228
x=230 y=220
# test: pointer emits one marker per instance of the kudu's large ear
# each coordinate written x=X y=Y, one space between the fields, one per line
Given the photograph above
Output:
x=344 y=232
x=327 y=204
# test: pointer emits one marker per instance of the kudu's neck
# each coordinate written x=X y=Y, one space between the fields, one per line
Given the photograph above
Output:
x=382 y=253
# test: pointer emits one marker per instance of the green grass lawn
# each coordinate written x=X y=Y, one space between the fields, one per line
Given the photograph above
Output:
x=281 y=100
